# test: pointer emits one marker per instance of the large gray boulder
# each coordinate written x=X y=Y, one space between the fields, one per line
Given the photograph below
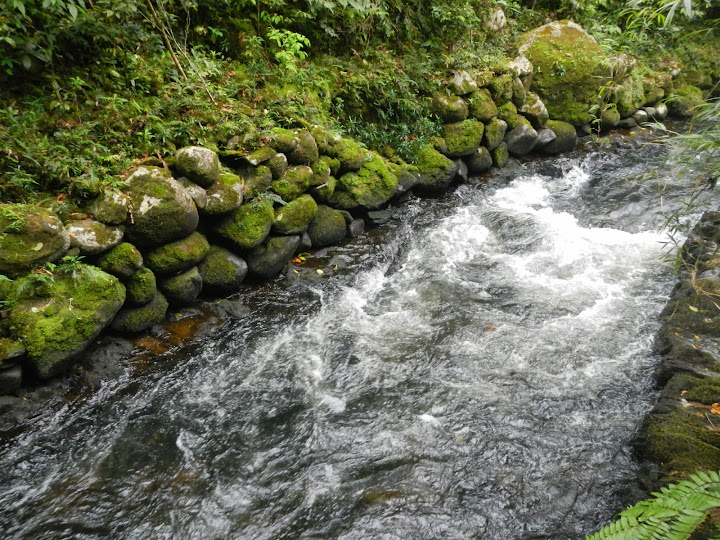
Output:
x=521 y=140
x=268 y=260
x=201 y=165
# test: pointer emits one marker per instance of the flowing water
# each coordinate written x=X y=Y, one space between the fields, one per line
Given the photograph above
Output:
x=473 y=369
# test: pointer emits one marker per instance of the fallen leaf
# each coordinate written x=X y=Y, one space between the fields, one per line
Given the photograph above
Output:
x=715 y=409
x=490 y=326
x=319 y=271
x=297 y=260
x=692 y=308
x=683 y=392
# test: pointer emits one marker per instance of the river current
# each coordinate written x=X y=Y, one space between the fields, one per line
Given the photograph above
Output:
x=473 y=369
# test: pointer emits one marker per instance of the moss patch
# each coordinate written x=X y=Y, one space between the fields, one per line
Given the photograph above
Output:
x=296 y=216
x=294 y=183
x=178 y=256
x=141 y=287
x=463 y=138
x=436 y=171
x=122 y=261
x=249 y=225
x=482 y=106
x=450 y=108
x=370 y=187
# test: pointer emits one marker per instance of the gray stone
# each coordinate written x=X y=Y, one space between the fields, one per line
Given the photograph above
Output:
x=268 y=260
x=661 y=111
x=583 y=130
x=627 y=123
x=305 y=242
x=134 y=320
x=545 y=136
x=494 y=133
x=355 y=228
x=10 y=380
x=535 y=111
x=480 y=162
x=462 y=84
x=197 y=193
x=182 y=289
x=380 y=217
x=201 y=165
x=328 y=227
x=92 y=237
x=110 y=208
x=521 y=140
x=640 y=116
x=462 y=171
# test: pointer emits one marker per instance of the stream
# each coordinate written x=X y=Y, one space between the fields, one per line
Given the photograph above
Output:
x=473 y=369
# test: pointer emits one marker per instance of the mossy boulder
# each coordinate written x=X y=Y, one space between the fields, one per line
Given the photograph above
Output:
x=110 y=208
x=224 y=196
x=629 y=96
x=162 y=211
x=278 y=164
x=138 y=319
x=349 y=154
x=256 y=180
x=12 y=352
x=519 y=93
x=508 y=113
x=29 y=237
x=494 y=134
x=283 y=140
x=500 y=155
x=222 y=271
x=197 y=194
x=684 y=100
x=535 y=111
x=521 y=140
x=56 y=328
x=568 y=70
x=609 y=119
x=501 y=88
x=407 y=175
x=480 y=162
x=177 y=256
x=268 y=260
x=482 y=107
x=92 y=237
x=436 y=171
x=121 y=261
x=249 y=225
x=565 y=138
x=325 y=191
x=306 y=152
x=295 y=216
x=450 y=108
x=201 y=165
x=140 y=287
x=327 y=228
x=462 y=83
x=369 y=188
x=182 y=289
x=463 y=138
x=261 y=155
x=294 y=182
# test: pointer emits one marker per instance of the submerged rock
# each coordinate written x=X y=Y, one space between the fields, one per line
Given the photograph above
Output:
x=30 y=236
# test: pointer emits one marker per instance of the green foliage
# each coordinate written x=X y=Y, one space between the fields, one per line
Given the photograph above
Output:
x=675 y=513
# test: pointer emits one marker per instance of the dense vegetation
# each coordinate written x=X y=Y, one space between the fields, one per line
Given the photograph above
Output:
x=89 y=86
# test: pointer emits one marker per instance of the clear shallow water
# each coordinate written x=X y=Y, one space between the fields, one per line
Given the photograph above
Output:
x=478 y=376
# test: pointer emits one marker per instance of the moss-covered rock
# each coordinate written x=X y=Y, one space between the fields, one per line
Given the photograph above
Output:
x=249 y=225
x=369 y=188
x=629 y=95
x=407 y=175
x=349 y=154
x=436 y=171
x=482 y=107
x=283 y=140
x=261 y=155
x=501 y=88
x=521 y=140
x=56 y=328
x=450 y=108
x=110 y=208
x=306 y=151
x=480 y=161
x=224 y=196
x=268 y=260
x=568 y=69
x=92 y=237
x=500 y=155
x=519 y=93
x=494 y=133
x=321 y=170
x=178 y=256
x=508 y=113
x=201 y=165
x=325 y=191
x=294 y=182
x=256 y=180
x=565 y=138
x=140 y=288
x=121 y=261
x=327 y=228
x=609 y=119
x=278 y=164
x=162 y=211
x=134 y=320
x=463 y=138
x=197 y=194
x=12 y=351
x=222 y=271
x=462 y=83
x=684 y=100
x=29 y=237
x=535 y=111
x=295 y=216
x=182 y=289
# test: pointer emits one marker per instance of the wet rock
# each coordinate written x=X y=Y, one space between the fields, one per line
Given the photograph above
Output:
x=60 y=324
x=480 y=161
x=661 y=112
x=494 y=133
x=305 y=242
x=462 y=83
x=462 y=171
x=521 y=140
x=436 y=171
x=565 y=138
x=369 y=188
x=121 y=261
x=225 y=195
x=162 y=211
x=140 y=288
x=463 y=138
x=380 y=217
x=609 y=119
x=222 y=271
x=640 y=117
x=92 y=237
x=327 y=228
x=583 y=130
x=10 y=380
x=268 y=260
x=178 y=256
x=500 y=155
x=12 y=352
x=295 y=217
x=294 y=182
x=481 y=106
x=684 y=101
x=545 y=136
x=249 y=225
x=355 y=228
x=450 y=108
x=200 y=165
x=183 y=289
x=535 y=111
x=134 y=320
x=30 y=236
x=627 y=123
